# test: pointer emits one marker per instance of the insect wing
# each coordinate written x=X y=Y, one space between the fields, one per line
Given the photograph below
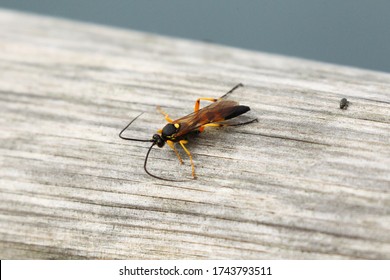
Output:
x=215 y=112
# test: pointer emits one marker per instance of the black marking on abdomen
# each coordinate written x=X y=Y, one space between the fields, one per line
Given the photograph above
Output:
x=239 y=110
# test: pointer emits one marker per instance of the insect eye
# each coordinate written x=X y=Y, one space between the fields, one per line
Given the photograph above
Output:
x=160 y=143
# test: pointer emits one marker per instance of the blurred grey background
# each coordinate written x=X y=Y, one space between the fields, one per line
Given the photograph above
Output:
x=349 y=32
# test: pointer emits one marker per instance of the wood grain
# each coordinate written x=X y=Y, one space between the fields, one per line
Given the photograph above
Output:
x=308 y=181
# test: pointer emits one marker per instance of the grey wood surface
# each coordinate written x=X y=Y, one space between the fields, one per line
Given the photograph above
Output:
x=308 y=181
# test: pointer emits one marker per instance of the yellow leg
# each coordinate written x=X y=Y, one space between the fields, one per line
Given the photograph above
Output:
x=201 y=129
x=182 y=142
x=167 y=118
x=172 y=145
x=225 y=124
x=197 y=102
x=214 y=124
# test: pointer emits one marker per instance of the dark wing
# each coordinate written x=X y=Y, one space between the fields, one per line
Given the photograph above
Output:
x=216 y=112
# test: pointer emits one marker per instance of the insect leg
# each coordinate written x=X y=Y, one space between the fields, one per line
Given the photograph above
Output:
x=230 y=91
x=172 y=145
x=197 y=102
x=228 y=124
x=201 y=129
x=243 y=123
x=182 y=142
x=213 y=125
x=167 y=118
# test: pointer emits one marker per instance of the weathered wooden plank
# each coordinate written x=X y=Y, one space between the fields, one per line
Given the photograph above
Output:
x=308 y=181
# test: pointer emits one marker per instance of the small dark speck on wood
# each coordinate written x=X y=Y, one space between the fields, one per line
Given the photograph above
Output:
x=344 y=103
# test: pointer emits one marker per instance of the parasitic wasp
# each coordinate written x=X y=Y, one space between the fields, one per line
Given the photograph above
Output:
x=176 y=131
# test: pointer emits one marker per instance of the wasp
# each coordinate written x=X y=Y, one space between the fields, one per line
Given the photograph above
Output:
x=176 y=131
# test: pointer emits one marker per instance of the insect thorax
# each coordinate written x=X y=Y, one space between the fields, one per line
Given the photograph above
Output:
x=169 y=130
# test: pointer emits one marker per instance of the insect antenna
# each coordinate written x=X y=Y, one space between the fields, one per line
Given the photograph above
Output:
x=154 y=176
x=133 y=139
